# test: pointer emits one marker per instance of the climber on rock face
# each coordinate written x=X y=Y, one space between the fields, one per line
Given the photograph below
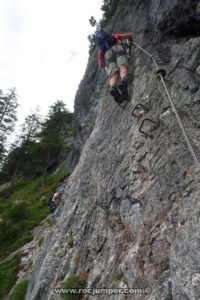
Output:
x=55 y=200
x=112 y=55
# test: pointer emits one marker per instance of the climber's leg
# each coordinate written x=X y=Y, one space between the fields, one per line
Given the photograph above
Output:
x=113 y=87
x=122 y=62
x=113 y=73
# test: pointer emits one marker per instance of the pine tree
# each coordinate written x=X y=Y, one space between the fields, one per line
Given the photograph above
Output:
x=109 y=8
x=27 y=160
x=31 y=127
x=8 y=106
x=22 y=158
x=2 y=150
x=39 y=143
x=53 y=132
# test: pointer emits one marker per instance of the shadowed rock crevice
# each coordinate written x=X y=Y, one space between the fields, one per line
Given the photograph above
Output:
x=182 y=20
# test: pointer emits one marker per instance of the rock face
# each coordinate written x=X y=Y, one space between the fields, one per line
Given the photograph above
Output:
x=130 y=213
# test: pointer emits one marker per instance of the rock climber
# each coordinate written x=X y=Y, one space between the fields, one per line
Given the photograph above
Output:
x=112 y=56
x=55 y=200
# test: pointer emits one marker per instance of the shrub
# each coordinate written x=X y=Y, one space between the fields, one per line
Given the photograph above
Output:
x=169 y=297
x=117 y=277
x=166 y=264
x=19 y=291
x=75 y=282
x=18 y=211
x=125 y=280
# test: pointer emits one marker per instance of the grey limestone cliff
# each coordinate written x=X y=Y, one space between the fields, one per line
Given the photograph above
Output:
x=130 y=213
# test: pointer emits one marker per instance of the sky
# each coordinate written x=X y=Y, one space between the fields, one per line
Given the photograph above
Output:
x=44 y=50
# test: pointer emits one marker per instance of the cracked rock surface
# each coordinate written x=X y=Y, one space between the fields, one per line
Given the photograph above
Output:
x=130 y=212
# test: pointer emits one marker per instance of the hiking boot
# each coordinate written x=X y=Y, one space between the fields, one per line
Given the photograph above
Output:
x=123 y=87
x=116 y=95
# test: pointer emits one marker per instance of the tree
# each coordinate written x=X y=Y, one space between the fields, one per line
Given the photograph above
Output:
x=8 y=107
x=60 y=116
x=109 y=8
x=2 y=150
x=26 y=161
x=31 y=127
x=54 y=130
x=39 y=143
x=22 y=158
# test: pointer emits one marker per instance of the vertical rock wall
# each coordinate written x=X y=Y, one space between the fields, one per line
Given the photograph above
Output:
x=130 y=213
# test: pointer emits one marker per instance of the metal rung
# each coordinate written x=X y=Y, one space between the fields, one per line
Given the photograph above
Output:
x=156 y=125
x=139 y=106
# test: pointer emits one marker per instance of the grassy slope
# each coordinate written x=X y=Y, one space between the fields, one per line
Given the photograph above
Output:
x=19 y=214
x=8 y=275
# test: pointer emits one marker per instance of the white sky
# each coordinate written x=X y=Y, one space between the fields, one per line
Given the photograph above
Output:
x=44 y=49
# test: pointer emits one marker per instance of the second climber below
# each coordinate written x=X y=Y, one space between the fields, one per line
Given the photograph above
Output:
x=112 y=56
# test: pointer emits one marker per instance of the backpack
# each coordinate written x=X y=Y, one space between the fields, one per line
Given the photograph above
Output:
x=104 y=40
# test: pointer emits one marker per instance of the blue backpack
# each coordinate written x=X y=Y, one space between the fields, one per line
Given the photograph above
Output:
x=104 y=40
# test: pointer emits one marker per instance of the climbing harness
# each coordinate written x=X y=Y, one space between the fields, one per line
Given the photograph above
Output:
x=162 y=73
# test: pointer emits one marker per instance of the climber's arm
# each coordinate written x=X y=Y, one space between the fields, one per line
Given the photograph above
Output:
x=125 y=36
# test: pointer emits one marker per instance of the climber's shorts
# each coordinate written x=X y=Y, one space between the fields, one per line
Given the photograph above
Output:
x=115 y=58
x=52 y=206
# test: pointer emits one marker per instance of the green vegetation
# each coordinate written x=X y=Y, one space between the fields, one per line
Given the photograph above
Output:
x=125 y=280
x=19 y=214
x=8 y=111
x=117 y=277
x=109 y=8
x=166 y=264
x=24 y=210
x=51 y=221
x=8 y=275
x=169 y=297
x=25 y=181
x=75 y=282
x=19 y=291
x=39 y=147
